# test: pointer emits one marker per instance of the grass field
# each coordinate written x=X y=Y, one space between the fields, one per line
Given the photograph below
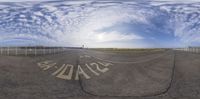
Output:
x=129 y=50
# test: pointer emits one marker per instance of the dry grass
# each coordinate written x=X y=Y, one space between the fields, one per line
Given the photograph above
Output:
x=125 y=50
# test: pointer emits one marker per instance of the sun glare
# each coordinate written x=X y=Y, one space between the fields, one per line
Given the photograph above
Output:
x=100 y=37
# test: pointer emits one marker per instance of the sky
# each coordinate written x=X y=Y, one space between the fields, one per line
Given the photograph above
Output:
x=100 y=23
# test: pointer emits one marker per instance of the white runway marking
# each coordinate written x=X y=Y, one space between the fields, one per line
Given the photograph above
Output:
x=81 y=72
x=98 y=68
x=66 y=71
x=49 y=66
x=46 y=65
x=81 y=56
x=62 y=71
x=105 y=64
x=97 y=74
x=85 y=56
x=57 y=71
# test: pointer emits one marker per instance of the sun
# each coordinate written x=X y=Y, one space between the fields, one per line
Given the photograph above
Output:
x=100 y=37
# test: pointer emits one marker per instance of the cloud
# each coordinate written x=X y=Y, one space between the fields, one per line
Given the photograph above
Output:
x=114 y=36
x=21 y=0
x=181 y=1
x=73 y=23
x=185 y=21
x=107 y=17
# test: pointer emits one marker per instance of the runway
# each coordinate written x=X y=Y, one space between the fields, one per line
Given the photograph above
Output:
x=92 y=74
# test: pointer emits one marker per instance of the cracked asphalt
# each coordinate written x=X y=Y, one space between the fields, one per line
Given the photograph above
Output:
x=90 y=74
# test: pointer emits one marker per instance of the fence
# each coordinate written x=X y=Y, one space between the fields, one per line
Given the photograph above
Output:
x=30 y=51
x=192 y=49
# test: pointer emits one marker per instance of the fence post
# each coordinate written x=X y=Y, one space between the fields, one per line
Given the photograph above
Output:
x=49 y=50
x=25 y=51
x=54 y=51
x=35 y=51
x=43 y=50
x=193 y=50
x=8 y=53
x=1 y=51
x=16 y=51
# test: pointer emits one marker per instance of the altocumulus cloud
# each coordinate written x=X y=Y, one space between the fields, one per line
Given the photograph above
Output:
x=73 y=23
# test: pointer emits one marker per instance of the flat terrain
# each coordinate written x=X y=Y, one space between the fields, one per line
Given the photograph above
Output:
x=101 y=74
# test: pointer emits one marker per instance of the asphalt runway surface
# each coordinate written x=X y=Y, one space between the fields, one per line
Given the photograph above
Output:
x=91 y=74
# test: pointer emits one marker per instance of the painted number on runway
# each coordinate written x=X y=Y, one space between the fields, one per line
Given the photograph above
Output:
x=66 y=71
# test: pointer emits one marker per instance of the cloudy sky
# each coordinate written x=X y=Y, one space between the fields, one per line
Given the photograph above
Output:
x=105 y=23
